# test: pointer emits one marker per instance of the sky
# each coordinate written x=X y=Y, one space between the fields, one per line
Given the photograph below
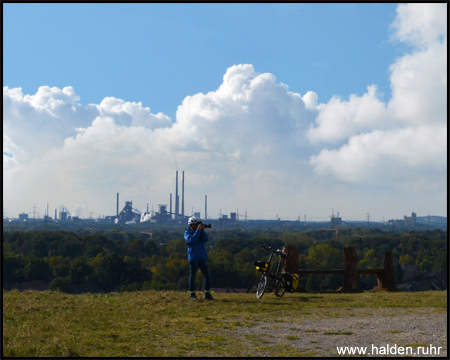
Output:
x=272 y=110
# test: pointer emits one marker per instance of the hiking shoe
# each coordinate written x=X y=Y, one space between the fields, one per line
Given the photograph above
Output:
x=193 y=296
x=208 y=296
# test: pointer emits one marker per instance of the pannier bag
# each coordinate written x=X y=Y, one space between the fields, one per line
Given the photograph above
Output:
x=295 y=278
x=261 y=265
x=291 y=281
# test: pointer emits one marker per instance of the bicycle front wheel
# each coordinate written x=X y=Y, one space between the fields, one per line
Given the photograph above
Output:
x=261 y=286
x=280 y=287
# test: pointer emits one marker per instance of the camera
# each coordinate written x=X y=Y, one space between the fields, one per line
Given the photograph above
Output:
x=206 y=225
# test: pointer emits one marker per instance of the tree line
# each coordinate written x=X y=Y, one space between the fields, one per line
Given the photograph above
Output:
x=126 y=260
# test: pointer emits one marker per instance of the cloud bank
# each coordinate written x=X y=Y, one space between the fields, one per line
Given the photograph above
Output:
x=407 y=134
x=251 y=144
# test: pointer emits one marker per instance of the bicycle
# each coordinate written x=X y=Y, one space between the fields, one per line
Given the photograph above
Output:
x=274 y=281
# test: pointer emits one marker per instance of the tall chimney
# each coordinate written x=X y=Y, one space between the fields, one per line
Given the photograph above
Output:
x=206 y=207
x=117 y=206
x=56 y=217
x=177 y=204
x=182 y=195
x=171 y=205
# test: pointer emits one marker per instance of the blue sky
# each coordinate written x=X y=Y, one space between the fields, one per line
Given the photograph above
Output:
x=160 y=53
x=273 y=109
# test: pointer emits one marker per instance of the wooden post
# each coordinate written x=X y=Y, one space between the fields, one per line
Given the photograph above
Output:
x=350 y=277
x=291 y=264
x=386 y=279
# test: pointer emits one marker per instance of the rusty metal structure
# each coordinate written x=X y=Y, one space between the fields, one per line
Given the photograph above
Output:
x=385 y=276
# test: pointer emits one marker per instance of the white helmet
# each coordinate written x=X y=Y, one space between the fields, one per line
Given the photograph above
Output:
x=193 y=221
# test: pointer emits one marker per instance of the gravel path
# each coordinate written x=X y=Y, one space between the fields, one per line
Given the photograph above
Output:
x=377 y=329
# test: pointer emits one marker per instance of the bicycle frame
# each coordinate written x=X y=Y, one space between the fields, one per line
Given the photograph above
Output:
x=276 y=281
x=277 y=274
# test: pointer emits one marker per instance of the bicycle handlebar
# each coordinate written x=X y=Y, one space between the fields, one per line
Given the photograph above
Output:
x=266 y=248
x=276 y=252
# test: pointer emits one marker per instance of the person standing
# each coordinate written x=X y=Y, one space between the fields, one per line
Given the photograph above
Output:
x=195 y=236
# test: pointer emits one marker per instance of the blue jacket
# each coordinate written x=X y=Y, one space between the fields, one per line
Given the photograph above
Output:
x=194 y=241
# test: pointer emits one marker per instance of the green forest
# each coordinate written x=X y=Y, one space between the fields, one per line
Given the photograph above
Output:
x=118 y=259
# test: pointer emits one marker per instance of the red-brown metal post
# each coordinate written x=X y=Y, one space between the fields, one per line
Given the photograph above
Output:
x=386 y=279
x=291 y=263
x=350 y=277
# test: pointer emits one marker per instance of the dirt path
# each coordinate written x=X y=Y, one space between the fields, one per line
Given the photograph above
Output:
x=381 y=332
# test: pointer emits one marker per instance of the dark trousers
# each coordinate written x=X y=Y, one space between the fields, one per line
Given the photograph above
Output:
x=194 y=266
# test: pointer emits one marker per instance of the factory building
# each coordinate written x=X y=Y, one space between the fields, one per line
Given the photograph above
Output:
x=23 y=217
x=410 y=220
x=162 y=216
x=129 y=214
x=62 y=216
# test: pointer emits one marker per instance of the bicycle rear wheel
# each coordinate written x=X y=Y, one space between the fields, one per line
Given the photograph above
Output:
x=261 y=286
x=280 y=287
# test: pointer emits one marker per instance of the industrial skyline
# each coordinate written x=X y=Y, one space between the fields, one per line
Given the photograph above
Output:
x=129 y=214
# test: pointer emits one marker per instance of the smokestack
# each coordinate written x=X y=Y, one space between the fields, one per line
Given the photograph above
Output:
x=206 y=207
x=171 y=205
x=177 y=204
x=56 y=217
x=182 y=195
x=117 y=206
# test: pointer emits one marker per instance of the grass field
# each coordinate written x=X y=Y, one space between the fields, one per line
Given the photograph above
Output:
x=166 y=323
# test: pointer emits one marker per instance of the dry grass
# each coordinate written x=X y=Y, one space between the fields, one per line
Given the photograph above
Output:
x=166 y=323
